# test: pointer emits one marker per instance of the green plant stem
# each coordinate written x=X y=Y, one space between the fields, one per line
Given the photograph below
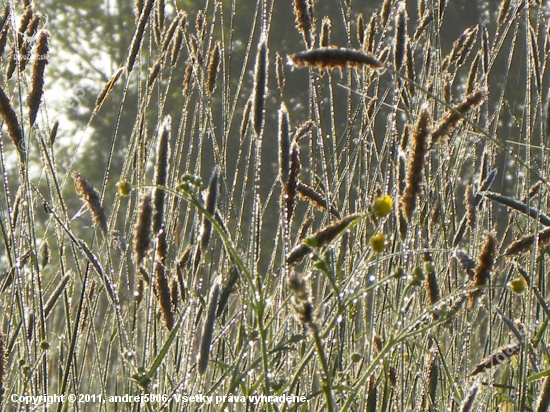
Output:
x=327 y=386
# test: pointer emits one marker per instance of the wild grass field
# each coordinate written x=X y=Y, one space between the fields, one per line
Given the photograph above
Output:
x=346 y=207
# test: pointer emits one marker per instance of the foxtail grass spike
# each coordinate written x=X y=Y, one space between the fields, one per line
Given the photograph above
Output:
x=360 y=25
x=452 y=117
x=330 y=58
x=161 y=281
x=326 y=26
x=289 y=194
x=526 y=243
x=400 y=40
x=37 y=80
x=415 y=166
x=54 y=297
x=227 y=289
x=4 y=27
x=543 y=402
x=302 y=12
x=326 y=235
x=93 y=201
x=499 y=357
x=208 y=329
x=280 y=72
x=143 y=231
x=12 y=123
x=385 y=11
x=107 y=89
x=138 y=34
x=284 y=145
x=161 y=171
x=470 y=203
x=483 y=268
x=211 y=201
x=213 y=67
x=308 y=193
x=467 y=404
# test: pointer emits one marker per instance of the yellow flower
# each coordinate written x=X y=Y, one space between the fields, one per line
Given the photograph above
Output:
x=124 y=187
x=382 y=206
x=518 y=285
x=378 y=242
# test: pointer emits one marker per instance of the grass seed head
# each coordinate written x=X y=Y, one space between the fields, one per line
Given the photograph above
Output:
x=284 y=144
x=400 y=40
x=93 y=201
x=208 y=329
x=415 y=165
x=483 y=268
x=324 y=38
x=143 y=230
x=302 y=12
x=213 y=67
